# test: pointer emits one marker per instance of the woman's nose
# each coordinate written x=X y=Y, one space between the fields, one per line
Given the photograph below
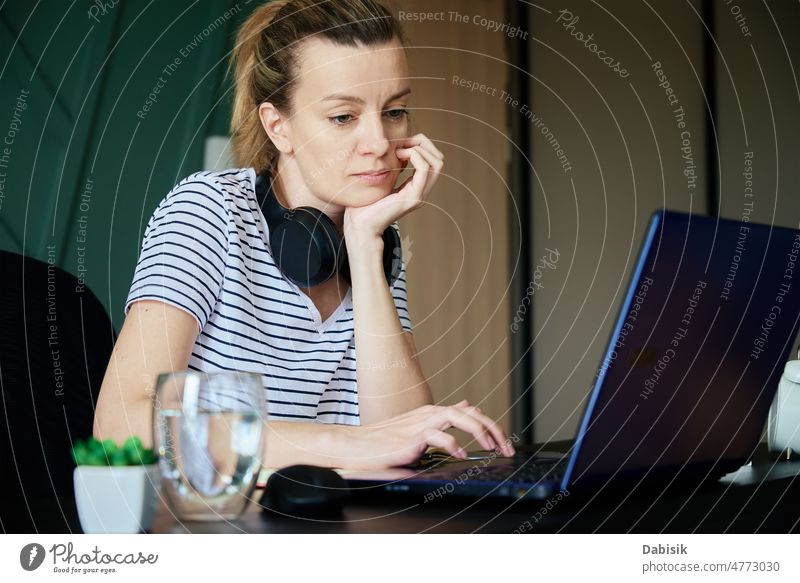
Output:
x=373 y=138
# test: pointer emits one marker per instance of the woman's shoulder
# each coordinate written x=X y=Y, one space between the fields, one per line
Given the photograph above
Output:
x=223 y=186
x=214 y=198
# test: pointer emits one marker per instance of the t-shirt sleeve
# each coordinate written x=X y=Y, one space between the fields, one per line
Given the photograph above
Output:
x=184 y=249
x=400 y=293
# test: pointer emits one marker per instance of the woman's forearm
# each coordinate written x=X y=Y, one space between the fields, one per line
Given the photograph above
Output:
x=319 y=444
x=134 y=418
x=390 y=380
x=394 y=443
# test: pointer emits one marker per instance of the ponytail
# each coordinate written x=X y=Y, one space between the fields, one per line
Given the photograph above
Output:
x=251 y=147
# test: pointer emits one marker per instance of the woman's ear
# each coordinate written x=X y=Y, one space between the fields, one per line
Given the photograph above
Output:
x=275 y=126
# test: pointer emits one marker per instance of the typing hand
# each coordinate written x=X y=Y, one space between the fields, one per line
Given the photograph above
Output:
x=403 y=439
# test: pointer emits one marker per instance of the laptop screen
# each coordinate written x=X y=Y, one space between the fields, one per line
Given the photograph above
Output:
x=697 y=351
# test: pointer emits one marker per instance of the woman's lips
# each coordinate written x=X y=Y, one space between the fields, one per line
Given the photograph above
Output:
x=374 y=178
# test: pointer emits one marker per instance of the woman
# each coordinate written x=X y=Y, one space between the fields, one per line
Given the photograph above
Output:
x=320 y=112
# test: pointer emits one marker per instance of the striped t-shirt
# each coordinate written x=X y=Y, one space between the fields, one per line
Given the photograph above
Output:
x=206 y=250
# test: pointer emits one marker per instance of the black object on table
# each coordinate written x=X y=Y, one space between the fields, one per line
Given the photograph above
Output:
x=303 y=490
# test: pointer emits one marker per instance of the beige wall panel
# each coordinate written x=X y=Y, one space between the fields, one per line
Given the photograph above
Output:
x=457 y=270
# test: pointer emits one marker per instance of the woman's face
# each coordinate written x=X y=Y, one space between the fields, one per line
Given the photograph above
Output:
x=348 y=118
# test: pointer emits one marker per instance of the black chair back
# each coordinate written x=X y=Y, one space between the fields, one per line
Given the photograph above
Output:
x=55 y=342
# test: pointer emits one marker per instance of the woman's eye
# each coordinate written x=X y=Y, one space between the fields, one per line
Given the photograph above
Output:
x=342 y=119
x=396 y=114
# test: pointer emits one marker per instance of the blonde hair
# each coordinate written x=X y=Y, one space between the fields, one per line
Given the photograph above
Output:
x=264 y=59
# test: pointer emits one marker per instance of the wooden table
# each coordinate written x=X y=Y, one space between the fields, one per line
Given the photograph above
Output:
x=764 y=497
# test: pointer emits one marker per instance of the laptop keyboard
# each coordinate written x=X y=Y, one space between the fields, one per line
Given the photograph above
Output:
x=532 y=472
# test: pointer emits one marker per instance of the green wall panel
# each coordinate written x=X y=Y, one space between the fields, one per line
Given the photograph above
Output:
x=106 y=108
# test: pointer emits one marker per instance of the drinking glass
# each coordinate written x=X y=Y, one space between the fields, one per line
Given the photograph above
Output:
x=207 y=430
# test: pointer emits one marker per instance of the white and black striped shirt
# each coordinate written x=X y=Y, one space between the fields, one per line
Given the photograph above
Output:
x=206 y=250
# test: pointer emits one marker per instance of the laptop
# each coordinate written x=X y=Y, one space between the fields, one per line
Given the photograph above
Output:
x=684 y=387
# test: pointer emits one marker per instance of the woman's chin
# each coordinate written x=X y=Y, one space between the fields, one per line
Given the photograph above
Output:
x=366 y=196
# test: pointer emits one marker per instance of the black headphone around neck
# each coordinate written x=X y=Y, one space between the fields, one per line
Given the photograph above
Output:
x=306 y=245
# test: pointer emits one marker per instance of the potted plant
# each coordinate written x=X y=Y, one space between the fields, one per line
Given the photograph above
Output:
x=116 y=487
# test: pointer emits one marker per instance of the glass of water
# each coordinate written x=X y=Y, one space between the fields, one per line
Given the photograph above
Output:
x=207 y=430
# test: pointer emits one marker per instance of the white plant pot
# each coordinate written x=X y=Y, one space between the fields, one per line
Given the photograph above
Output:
x=116 y=499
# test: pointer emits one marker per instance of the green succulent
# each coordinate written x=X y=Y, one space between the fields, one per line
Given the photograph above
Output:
x=94 y=452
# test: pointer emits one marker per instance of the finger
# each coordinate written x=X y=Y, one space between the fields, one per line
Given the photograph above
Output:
x=431 y=157
x=466 y=422
x=464 y=404
x=431 y=149
x=426 y=172
x=497 y=433
x=433 y=161
x=446 y=441
x=436 y=163
x=435 y=166
x=425 y=142
x=427 y=146
x=421 y=169
x=495 y=430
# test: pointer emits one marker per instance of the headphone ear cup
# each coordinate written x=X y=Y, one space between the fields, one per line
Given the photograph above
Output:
x=306 y=247
x=304 y=241
x=333 y=243
x=392 y=255
x=344 y=262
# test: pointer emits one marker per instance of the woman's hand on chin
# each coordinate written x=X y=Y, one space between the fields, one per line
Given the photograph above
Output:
x=403 y=439
x=373 y=219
